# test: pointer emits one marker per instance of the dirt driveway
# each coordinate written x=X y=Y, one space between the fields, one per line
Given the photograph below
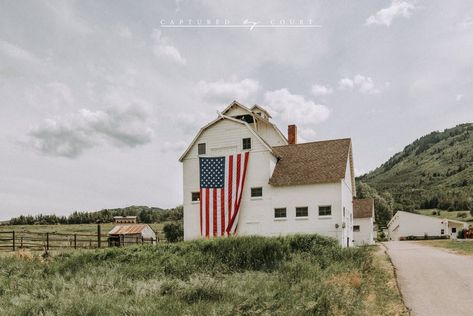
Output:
x=433 y=281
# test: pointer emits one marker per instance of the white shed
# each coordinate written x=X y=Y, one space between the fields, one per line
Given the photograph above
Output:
x=406 y=225
x=123 y=235
x=363 y=225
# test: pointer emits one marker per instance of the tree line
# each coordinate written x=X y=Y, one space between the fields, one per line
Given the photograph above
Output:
x=144 y=214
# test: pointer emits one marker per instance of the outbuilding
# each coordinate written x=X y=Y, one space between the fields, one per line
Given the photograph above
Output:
x=125 y=235
x=406 y=225
x=363 y=223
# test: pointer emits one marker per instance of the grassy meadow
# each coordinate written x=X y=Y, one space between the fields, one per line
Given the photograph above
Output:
x=295 y=275
x=464 y=247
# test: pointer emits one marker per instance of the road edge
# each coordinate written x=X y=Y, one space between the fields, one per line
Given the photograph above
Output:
x=385 y=248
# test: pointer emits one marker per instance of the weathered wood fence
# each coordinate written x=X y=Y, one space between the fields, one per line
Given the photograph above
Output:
x=45 y=241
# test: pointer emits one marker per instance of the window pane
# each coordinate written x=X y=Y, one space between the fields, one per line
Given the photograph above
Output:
x=302 y=211
x=195 y=196
x=246 y=143
x=201 y=148
x=325 y=210
x=356 y=228
x=256 y=192
x=279 y=212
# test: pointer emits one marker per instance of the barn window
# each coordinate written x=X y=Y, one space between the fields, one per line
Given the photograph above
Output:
x=325 y=210
x=256 y=192
x=442 y=231
x=201 y=148
x=246 y=143
x=302 y=211
x=356 y=228
x=454 y=230
x=280 y=212
x=195 y=196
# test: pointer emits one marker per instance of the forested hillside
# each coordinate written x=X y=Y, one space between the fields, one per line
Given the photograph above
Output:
x=435 y=171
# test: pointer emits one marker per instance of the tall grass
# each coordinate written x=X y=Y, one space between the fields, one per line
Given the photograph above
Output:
x=295 y=275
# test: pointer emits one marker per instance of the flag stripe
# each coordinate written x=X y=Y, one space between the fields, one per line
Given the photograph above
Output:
x=207 y=212
x=214 y=222
x=201 y=227
x=222 y=211
x=230 y=185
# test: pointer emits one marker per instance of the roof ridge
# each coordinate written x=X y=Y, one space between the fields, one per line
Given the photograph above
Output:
x=314 y=142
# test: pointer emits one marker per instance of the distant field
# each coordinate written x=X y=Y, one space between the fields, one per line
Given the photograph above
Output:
x=33 y=236
x=296 y=275
x=449 y=215
x=461 y=247
x=72 y=229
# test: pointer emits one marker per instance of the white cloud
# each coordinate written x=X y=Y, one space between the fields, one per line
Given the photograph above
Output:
x=319 y=90
x=124 y=32
x=174 y=147
x=459 y=97
x=345 y=84
x=396 y=9
x=69 y=136
x=65 y=12
x=242 y=90
x=162 y=47
x=362 y=83
x=16 y=52
x=288 y=108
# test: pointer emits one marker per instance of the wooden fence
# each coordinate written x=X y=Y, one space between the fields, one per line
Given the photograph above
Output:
x=45 y=241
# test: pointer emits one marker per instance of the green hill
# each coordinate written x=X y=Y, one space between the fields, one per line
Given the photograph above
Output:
x=435 y=171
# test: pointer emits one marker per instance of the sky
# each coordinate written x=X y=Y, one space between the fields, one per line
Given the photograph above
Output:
x=98 y=99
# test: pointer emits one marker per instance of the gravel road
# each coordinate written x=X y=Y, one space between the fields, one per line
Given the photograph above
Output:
x=433 y=281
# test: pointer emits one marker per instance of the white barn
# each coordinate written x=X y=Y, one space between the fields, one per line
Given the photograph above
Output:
x=288 y=187
x=403 y=225
x=363 y=225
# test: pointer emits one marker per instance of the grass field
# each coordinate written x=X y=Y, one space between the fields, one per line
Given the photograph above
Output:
x=449 y=215
x=461 y=247
x=297 y=275
x=72 y=228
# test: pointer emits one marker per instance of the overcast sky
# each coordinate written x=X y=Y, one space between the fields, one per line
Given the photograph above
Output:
x=98 y=100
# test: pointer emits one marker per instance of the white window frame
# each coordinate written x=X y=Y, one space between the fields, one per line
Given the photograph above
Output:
x=324 y=216
x=192 y=201
x=302 y=217
x=279 y=218
x=256 y=197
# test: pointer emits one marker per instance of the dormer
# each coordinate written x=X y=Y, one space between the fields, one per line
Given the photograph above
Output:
x=260 y=111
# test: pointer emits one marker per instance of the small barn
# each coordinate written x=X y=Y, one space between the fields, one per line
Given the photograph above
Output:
x=406 y=225
x=363 y=221
x=125 y=220
x=125 y=235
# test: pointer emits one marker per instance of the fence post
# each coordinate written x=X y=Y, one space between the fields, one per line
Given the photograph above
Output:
x=47 y=241
x=75 y=241
x=99 y=236
x=13 y=244
x=21 y=242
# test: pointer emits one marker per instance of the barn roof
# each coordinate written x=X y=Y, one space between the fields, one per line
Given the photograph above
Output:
x=128 y=229
x=310 y=163
x=363 y=208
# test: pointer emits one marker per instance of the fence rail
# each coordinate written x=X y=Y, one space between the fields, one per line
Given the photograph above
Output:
x=15 y=240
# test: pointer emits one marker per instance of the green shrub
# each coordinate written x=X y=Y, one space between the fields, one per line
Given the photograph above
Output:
x=173 y=232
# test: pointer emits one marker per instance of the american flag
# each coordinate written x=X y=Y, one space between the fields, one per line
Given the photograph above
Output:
x=221 y=186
